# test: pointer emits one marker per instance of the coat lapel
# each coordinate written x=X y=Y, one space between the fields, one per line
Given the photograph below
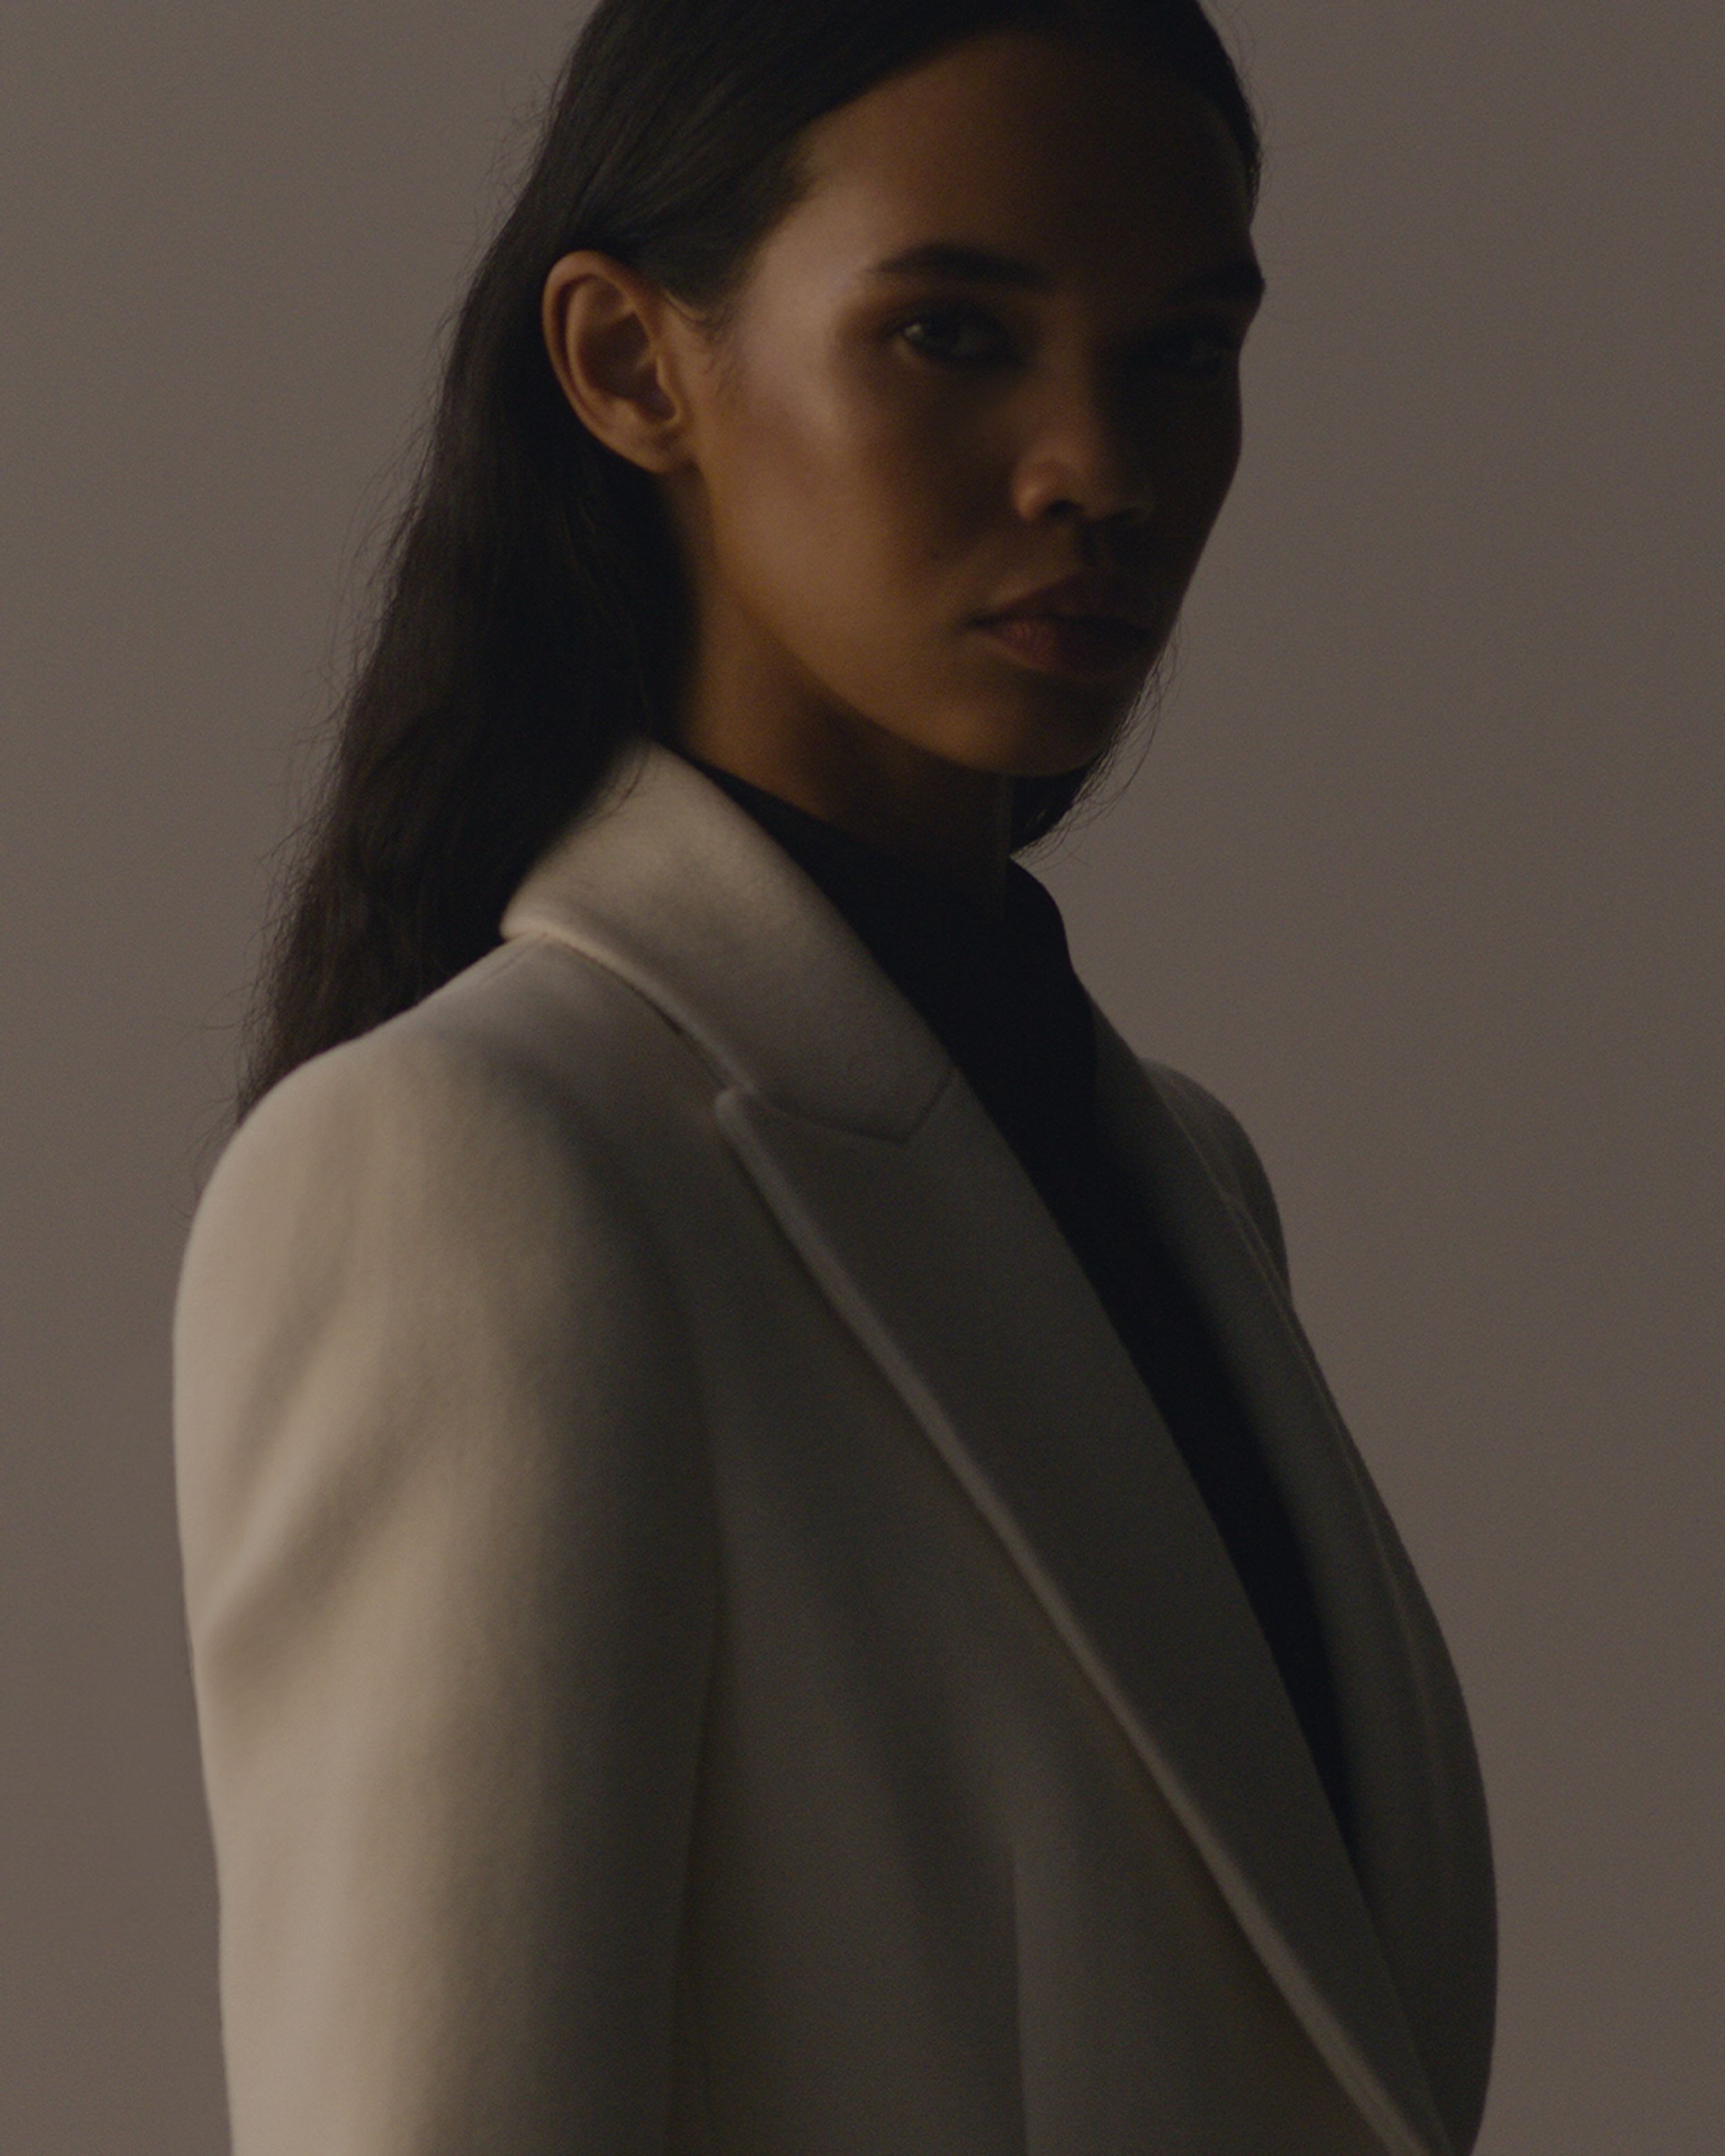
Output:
x=878 y=1164
x=999 y=1345
x=1423 y=1853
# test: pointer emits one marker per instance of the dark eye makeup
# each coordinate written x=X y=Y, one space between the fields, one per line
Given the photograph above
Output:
x=1216 y=347
x=967 y=336
x=956 y=336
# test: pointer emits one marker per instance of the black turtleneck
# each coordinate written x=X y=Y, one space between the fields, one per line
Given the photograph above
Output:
x=996 y=987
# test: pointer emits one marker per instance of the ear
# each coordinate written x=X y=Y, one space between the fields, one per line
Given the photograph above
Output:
x=610 y=333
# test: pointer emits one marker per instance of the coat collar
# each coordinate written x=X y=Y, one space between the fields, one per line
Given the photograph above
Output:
x=853 y=1123
x=669 y=883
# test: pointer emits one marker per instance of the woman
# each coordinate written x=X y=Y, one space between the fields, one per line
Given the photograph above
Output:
x=769 y=1566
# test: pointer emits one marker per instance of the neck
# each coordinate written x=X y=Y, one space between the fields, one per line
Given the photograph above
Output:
x=940 y=818
x=953 y=833
x=948 y=822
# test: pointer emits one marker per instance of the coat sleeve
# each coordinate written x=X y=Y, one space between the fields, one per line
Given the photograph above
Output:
x=449 y=1578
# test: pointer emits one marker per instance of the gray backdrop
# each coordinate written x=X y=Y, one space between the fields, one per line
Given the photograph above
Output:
x=1420 y=874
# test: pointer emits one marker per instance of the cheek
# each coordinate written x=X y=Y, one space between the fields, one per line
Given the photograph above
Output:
x=1203 y=458
x=843 y=524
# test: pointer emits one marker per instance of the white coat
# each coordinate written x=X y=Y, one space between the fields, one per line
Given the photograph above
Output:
x=703 y=1645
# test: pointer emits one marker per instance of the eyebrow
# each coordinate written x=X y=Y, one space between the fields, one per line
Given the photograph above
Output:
x=1239 y=279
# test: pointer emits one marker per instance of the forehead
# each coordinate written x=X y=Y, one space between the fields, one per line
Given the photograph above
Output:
x=1073 y=155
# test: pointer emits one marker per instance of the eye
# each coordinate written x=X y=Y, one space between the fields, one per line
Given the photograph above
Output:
x=955 y=336
x=1201 y=353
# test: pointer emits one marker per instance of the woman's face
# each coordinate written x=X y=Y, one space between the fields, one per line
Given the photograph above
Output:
x=995 y=344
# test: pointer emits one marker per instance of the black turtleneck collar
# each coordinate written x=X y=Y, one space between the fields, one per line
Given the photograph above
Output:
x=994 y=984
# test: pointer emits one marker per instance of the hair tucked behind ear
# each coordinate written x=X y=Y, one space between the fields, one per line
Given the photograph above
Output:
x=533 y=610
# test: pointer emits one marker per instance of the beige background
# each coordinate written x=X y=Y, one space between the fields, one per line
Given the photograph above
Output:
x=1421 y=874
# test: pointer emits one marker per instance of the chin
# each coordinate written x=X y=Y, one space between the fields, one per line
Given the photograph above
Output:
x=1041 y=745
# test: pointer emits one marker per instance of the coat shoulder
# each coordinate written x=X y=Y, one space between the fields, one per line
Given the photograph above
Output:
x=469 y=1156
x=535 y=1052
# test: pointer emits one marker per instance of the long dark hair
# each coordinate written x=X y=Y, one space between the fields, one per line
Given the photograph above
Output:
x=534 y=607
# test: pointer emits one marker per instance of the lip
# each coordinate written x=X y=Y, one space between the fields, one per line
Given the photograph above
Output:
x=1077 y=647
x=1091 y=626
x=1091 y=595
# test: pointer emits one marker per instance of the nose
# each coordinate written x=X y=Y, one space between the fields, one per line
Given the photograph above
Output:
x=1079 y=459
